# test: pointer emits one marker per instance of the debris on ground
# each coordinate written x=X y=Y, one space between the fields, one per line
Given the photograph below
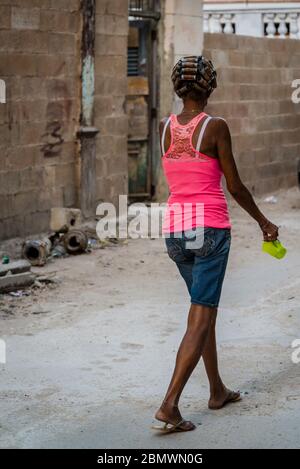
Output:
x=43 y=280
x=19 y=293
x=63 y=219
x=15 y=275
x=111 y=242
x=93 y=244
x=37 y=251
x=13 y=282
x=16 y=267
x=75 y=241
x=59 y=251
x=68 y=236
x=271 y=199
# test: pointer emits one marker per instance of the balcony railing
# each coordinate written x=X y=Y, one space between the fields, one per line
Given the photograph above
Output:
x=144 y=9
x=268 y=20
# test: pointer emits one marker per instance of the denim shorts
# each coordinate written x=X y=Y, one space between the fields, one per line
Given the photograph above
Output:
x=201 y=256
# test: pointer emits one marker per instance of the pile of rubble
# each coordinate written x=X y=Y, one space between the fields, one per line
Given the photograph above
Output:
x=67 y=237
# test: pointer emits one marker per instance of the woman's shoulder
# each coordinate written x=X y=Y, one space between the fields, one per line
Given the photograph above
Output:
x=218 y=122
x=217 y=119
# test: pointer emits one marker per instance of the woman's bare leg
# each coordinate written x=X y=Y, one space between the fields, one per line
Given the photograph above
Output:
x=210 y=358
x=189 y=353
x=218 y=391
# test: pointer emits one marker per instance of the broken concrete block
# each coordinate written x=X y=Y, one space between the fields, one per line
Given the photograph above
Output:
x=11 y=282
x=15 y=267
x=63 y=219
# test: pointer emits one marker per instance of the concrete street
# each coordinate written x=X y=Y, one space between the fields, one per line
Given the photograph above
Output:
x=89 y=361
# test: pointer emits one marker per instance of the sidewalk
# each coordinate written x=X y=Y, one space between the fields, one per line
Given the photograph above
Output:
x=89 y=361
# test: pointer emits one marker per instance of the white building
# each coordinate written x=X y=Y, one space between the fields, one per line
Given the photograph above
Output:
x=253 y=18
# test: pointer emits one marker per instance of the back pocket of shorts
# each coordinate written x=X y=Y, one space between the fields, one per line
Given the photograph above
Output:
x=175 y=250
x=208 y=245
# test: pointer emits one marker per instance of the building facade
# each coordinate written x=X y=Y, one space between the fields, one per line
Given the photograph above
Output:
x=253 y=18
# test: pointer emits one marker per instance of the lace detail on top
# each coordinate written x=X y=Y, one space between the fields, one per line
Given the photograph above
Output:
x=181 y=147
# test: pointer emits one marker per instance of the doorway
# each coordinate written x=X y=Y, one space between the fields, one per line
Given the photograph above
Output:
x=142 y=99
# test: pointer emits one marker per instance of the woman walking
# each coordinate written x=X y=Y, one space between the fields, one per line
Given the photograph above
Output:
x=196 y=152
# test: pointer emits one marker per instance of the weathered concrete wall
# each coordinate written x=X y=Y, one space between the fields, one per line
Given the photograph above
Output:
x=254 y=95
x=39 y=62
x=110 y=93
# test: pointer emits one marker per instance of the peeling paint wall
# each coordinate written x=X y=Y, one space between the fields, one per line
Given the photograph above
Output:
x=88 y=61
x=88 y=89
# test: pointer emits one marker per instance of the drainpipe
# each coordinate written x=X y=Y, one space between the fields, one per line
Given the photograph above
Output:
x=87 y=132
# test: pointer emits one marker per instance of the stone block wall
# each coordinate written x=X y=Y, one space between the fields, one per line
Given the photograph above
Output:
x=40 y=61
x=254 y=94
x=110 y=95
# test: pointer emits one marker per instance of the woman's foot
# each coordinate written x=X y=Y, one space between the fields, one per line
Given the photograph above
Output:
x=222 y=397
x=169 y=413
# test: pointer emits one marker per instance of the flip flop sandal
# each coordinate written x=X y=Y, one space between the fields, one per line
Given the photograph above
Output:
x=169 y=427
x=232 y=397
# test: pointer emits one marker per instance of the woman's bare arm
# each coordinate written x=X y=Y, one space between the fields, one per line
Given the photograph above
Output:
x=234 y=184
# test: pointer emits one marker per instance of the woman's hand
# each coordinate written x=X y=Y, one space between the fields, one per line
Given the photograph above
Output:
x=270 y=231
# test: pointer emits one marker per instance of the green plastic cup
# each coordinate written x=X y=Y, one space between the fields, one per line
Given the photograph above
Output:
x=274 y=248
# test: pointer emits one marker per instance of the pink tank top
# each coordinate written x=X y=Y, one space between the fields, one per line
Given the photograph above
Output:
x=194 y=179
